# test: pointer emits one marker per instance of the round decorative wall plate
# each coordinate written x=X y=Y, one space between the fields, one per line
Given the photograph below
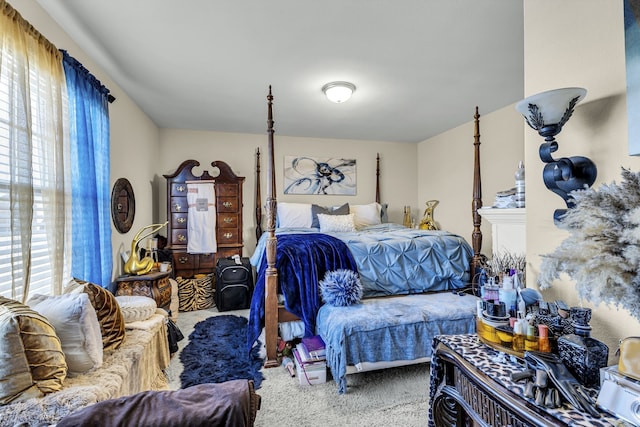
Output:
x=123 y=205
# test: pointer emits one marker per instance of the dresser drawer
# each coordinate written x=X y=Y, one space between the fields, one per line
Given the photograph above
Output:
x=228 y=235
x=179 y=236
x=227 y=220
x=179 y=189
x=227 y=190
x=227 y=204
x=179 y=220
x=183 y=260
x=228 y=252
x=206 y=261
x=179 y=204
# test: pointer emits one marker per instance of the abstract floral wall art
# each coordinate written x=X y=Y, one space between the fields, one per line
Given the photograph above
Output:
x=314 y=175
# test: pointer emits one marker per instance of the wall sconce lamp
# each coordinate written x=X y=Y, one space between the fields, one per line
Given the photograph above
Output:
x=547 y=112
x=338 y=92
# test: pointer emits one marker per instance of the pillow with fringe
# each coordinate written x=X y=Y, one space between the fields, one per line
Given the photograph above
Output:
x=341 y=288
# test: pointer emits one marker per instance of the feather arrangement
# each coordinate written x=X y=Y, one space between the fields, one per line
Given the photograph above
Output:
x=602 y=252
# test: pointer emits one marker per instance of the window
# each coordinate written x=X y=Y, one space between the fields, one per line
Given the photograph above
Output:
x=33 y=152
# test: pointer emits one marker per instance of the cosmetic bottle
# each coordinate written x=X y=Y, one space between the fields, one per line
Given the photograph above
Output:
x=520 y=199
x=543 y=338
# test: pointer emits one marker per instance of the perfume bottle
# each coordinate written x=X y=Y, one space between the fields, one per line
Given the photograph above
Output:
x=582 y=354
x=406 y=220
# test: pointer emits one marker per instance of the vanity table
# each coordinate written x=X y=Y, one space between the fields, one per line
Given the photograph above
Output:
x=470 y=385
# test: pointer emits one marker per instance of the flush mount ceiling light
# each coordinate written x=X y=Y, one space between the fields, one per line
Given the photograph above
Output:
x=338 y=92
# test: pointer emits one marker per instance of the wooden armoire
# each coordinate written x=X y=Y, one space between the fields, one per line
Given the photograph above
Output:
x=228 y=229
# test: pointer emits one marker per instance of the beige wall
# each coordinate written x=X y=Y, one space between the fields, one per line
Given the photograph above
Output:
x=397 y=165
x=445 y=169
x=134 y=137
x=577 y=43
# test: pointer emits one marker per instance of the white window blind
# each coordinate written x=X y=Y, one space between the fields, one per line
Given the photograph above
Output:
x=12 y=127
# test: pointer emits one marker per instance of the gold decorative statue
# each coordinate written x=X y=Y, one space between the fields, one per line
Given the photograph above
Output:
x=134 y=264
x=427 y=222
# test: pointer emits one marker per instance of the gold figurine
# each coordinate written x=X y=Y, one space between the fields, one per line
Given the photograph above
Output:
x=134 y=264
x=427 y=222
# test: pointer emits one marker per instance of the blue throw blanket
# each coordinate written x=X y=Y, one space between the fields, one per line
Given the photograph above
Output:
x=301 y=261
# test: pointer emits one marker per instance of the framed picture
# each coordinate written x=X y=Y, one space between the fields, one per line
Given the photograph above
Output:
x=316 y=175
x=632 y=54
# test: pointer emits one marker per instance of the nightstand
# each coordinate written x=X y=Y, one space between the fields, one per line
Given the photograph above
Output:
x=154 y=285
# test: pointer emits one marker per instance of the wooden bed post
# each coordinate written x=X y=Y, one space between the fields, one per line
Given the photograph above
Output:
x=271 y=275
x=377 y=177
x=258 y=198
x=476 y=204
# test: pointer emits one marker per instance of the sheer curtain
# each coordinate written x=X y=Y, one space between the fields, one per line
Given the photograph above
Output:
x=89 y=130
x=34 y=162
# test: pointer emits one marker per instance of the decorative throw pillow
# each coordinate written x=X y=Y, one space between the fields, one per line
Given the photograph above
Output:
x=335 y=210
x=196 y=293
x=31 y=359
x=336 y=223
x=136 y=308
x=76 y=324
x=366 y=215
x=293 y=215
x=341 y=288
x=107 y=309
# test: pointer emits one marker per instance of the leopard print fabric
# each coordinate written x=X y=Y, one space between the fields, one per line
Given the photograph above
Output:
x=499 y=368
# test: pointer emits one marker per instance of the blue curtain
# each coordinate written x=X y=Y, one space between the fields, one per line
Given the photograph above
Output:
x=89 y=133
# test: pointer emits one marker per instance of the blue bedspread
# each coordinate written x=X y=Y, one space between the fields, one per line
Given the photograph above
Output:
x=395 y=260
x=301 y=261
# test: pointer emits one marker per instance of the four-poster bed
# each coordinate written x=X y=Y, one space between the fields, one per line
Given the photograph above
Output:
x=422 y=298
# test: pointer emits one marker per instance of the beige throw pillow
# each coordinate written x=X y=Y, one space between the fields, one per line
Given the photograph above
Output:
x=31 y=359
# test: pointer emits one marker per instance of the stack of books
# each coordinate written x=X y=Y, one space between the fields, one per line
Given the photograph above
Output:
x=310 y=356
x=312 y=349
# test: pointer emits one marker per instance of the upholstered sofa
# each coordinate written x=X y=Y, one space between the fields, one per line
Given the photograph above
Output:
x=135 y=363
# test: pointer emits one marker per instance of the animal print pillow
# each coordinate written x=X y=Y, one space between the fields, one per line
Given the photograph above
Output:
x=196 y=293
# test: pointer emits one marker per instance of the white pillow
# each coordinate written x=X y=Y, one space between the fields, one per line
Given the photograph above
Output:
x=336 y=223
x=76 y=324
x=294 y=215
x=136 y=308
x=365 y=215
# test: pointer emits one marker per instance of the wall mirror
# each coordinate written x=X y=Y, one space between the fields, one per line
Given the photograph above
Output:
x=123 y=205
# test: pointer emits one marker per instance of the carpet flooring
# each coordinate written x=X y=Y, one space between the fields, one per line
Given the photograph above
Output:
x=217 y=352
x=398 y=396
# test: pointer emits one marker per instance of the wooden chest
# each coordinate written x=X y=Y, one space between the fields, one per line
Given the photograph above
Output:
x=152 y=285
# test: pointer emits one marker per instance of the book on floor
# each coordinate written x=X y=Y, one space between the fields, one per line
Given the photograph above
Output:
x=304 y=355
x=315 y=346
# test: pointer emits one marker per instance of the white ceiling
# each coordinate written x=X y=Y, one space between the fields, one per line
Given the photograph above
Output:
x=420 y=66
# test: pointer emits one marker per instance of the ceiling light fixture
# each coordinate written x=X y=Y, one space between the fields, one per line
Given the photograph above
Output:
x=338 y=92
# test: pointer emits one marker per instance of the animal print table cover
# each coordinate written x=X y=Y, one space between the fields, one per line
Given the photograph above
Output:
x=499 y=367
